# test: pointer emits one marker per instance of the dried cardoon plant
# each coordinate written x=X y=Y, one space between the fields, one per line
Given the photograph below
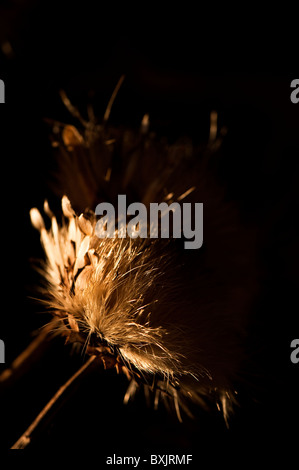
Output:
x=172 y=320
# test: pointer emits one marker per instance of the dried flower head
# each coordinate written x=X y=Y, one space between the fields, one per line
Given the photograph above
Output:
x=171 y=319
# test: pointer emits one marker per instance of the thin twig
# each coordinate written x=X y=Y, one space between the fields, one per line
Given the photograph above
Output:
x=31 y=353
x=113 y=96
x=25 y=439
x=71 y=108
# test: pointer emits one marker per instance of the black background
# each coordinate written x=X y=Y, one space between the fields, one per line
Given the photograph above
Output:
x=84 y=51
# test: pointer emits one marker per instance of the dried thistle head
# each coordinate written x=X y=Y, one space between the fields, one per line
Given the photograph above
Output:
x=103 y=290
x=147 y=307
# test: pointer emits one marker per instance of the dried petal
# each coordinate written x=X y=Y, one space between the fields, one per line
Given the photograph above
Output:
x=80 y=261
x=47 y=209
x=73 y=323
x=85 y=225
x=71 y=137
x=36 y=219
x=67 y=209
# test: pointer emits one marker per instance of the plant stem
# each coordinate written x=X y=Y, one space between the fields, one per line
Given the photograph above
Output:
x=22 y=362
x=26 y=437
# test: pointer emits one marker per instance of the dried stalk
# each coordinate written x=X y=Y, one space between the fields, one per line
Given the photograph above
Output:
x=112 y=99
x=26 y=438
x=25 y=359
